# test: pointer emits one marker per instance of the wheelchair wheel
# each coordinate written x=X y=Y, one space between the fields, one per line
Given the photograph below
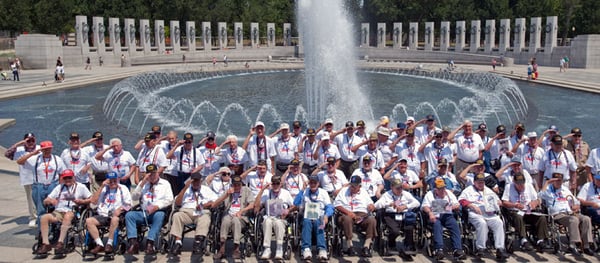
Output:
x=427 y=248
x=34 y=248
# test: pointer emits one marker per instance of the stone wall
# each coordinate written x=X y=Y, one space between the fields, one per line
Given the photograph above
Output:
x=38 y=51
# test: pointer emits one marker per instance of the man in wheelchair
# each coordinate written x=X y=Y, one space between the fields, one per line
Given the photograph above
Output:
x=520 y=198
x=589 y=196
x=64 y=198
x=483 y=206
x=354 y=204
x=112 y=201
x=195 y=201
x=317 y=208
x=277 y=202
x=399 y=208
x=237 y=203
x=563 y=208
x=155 y=195
x=438 y=207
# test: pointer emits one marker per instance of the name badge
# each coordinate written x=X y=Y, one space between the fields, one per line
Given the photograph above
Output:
x=399 y=217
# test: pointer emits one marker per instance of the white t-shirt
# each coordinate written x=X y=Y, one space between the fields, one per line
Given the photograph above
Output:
x=90 y=151
x=295 y=183
x=197 y=199
x=358 y=202
x=65 y=195
x=433 y=152
x=45 y=170
x=377 y=161
x=236 y=156
x=345 y=144
x=326 y=179
x=439 y=205
x=530 y=158
x=370 y=180
x=171 y=168
x=255 y=183
x=508 y=176
x=76 y=160
x=187 y=160
x=119 y=163
x=512 y=195
x=274 y=203
x=563 y=162
x=210 y=159
x=557 y=200
x=286 y=150
x=112 y=199
x=389 y=198
x=412 y=155
x=468 y=148
x=320 y=198
x=486 y=200
x=331 y=151
x=152 y=156
x=261 y=149
x=307 y=152
x=423 y=132
x=589 y=192
x=387 y=152
x=593 y=161
x=410 y=177
x=219 y=186
x=25 y=173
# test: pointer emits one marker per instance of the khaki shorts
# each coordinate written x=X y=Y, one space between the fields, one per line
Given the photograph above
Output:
x=59 y=215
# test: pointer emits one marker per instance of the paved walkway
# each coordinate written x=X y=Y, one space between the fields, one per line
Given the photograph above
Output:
x=16 y=238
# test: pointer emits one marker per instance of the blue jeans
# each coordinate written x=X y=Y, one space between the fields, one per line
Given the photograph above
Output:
x=593 y=214
x=310 y=227
x=448 y=221
x=135 y=218
x=39 y=192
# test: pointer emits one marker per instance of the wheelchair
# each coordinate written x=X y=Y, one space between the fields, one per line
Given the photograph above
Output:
x=427 y=235
x=384 y=231
x=291 y=238
x=469 y=234
x=247 y=241
x=74 y=236
x=209 y=242
x=119 y=239
x=338 y=236
x=162 y=243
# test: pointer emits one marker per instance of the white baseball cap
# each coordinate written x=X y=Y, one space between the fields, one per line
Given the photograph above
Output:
x=259 y=123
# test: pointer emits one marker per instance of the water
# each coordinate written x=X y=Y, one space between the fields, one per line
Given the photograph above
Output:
x=230 y=104
x=331 y=84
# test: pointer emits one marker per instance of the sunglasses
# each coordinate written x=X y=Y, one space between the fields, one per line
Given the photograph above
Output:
x=275 y=183
x=576 y=135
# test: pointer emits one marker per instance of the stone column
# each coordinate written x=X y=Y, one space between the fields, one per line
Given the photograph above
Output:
x=490 y=35
x=397 y=35
x=535 y=34
x=114 y=33
x=159 y=36
x=206 y=36
x=190 y=28
x=222 y=34
x=98 y=28
x=551 y=33
x=504 y=42
x=461 y=30
x=271 y=34
x=381 y=35
x=239 y=35
x=145 y=31
x=175 y=36
x=413 y=35
x=287 y=34
x=255 y=34
x=129 y=29
x=444 y=35
x=475 y=35
x=82 y=30
x=429 y=35
x=519 y=31
x=364 y=35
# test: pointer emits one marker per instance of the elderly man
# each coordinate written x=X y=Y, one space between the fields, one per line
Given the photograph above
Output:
x=558 y=160
x=260 y=147
x=345 y=141
x=520 y=198
x=256 y=177
x=211 y=154
x=482 y=205
x=238 y=202
x=398 y=214
x=372 y=182
x=277 y=202
x=438 y=206
x=306 y=148
x=449 y=178
x=99 y=167
x=76 y=161
x=150 y=154
x=562 y=206
x=424 y=132
x=410 y=180
x=434 y=149
x=293 y=179
x=112 y=200
x=331 y=179
x=530 y=153
x=220 y=181
x=581 y=151
x=189 y=160
x=469 y=146
x=25 y=175
x=155 y=195
x=46 y=167
x=409 y=150
x=589 y=196
x=326 y=149
x=120 y=161
x=233 y=156
x=64 y=198
x=354 y=205
x=500 y=147
x=316 y=205
x=286 y=147
x=195 y=201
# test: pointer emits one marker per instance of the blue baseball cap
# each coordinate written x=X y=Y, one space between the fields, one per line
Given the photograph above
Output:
x=112 y=175
x=597 y=176
x=401 y=125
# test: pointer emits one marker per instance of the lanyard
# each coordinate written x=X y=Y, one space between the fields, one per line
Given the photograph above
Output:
x=196 y=194
x=261 y=148
x=556 y=158
x=313 y=196
x=71 y=193
x=112 y=196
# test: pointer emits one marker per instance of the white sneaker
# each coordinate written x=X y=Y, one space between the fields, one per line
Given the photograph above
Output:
x=266 y=254
x=322 y=254
x=306 y=254
x=32 y=223
x=279 y=253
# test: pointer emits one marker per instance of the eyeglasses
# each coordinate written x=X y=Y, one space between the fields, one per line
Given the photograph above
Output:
x=211 y=139
x=275 y=183
x=225 y=174
x=577 y=135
